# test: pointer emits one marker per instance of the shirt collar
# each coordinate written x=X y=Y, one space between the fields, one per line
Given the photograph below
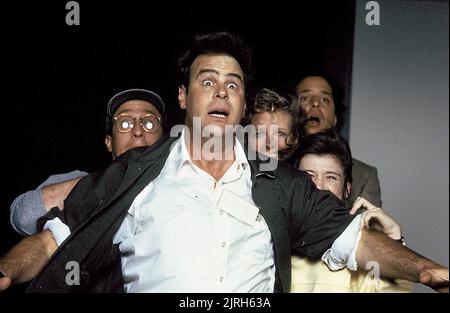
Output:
x=180 y=154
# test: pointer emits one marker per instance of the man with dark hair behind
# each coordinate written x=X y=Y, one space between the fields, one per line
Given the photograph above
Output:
x=188 y=216
x=322 y=101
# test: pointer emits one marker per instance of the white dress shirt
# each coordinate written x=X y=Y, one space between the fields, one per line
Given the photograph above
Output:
x=187 y=232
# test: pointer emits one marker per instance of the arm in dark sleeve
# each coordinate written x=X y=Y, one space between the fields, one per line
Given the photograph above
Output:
x=90 y=193
x=317 y=218
x=82 y=191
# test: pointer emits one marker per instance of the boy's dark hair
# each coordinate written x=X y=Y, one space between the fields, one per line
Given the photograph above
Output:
x=327 y=142
x=222 y=42
x=337 y=90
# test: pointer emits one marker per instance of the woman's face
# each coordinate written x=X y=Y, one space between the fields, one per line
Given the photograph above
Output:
x=273 y=132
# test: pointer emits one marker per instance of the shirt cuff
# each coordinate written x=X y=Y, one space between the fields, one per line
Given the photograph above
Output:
x=60 y=231
x=343 y=251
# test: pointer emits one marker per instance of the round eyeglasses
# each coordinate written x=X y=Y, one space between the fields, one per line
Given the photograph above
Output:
x=149 y=122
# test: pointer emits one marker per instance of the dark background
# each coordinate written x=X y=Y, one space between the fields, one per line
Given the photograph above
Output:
x=57 y=78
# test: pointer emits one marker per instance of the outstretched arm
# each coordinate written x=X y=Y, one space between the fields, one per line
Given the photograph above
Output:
x=55 y=194
x=26 y=259
x=31 y=205
x=397 y=261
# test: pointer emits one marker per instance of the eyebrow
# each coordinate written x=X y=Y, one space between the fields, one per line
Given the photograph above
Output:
x=335 y=173
x=210 y=71
x=309 y=90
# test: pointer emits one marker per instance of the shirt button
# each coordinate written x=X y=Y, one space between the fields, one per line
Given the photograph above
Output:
x=221 y=279
x=223 y=244
x=221 y=212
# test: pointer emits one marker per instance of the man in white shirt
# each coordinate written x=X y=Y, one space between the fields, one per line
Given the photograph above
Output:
x=198 y=215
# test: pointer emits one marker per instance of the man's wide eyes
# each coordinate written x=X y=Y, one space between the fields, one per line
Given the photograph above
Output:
x=232 y=85
x=207 y=83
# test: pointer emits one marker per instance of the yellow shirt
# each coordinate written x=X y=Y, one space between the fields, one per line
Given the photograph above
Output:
x=314 y=276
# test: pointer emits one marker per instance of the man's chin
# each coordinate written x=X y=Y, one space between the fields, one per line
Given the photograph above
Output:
x=217 y=129
x=314 y=129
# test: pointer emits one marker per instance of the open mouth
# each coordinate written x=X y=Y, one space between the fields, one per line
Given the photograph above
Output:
x=218 y=114
x=314 y=119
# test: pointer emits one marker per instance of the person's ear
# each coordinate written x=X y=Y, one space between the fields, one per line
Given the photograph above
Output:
x=335 y=121
x=108 y=143
x=182 y=97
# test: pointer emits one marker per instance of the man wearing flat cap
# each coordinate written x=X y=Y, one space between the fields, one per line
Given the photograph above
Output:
x=134 y=118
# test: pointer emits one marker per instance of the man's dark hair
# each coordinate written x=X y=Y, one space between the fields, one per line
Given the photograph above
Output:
x=337 y=90
x=327 y=142
x=222 y=42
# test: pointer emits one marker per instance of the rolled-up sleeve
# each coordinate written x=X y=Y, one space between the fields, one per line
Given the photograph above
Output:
x=27 y=208
x=25 y=211
x=343 y=251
